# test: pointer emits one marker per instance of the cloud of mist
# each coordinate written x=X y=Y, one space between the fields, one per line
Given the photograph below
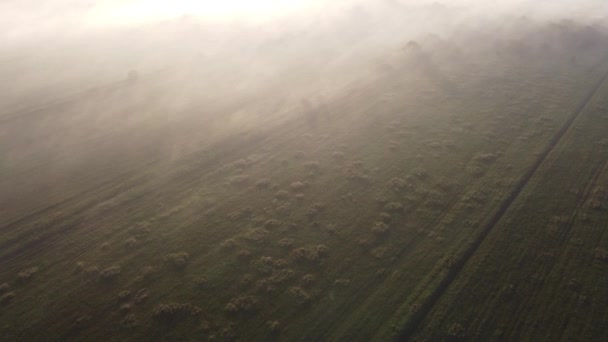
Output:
x=26 y=19
x=237 y=44
x=207 y=69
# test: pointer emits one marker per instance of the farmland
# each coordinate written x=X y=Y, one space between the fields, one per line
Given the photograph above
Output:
x=448 y=192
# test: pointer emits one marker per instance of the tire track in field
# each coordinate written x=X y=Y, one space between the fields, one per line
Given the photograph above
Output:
x=412 y=326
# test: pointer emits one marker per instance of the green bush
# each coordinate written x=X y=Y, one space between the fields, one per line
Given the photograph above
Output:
x=379 y=228
x=242 y=304
x=110 y=273
x=27 y=274
x=313 y=253
x=171 y=312
x=177 y=260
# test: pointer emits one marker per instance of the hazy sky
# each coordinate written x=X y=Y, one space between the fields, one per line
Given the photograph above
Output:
x=21 y=19
x=55 y=36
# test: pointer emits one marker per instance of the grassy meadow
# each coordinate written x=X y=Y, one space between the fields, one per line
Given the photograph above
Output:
x=448 y=193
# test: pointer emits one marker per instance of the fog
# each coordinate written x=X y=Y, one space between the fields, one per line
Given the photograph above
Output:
x=277 y=170
x=91 y=83
x=75 y=44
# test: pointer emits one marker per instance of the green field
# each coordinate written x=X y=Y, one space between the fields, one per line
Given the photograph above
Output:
x=450 y=194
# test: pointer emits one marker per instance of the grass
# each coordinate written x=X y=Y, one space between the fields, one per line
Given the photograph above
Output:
x=539 y=269
x=339 y=230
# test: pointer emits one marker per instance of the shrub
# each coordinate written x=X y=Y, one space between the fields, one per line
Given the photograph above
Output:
x=263 y=184
x=312 y=166
x=80 y=266
x=177 y=260
x=357 y=174
x=240 y=164
x=81 y=322
x=272 y=223
x=308 y=279
x=125 y=295
x=300 y=196
x=385 y=217
x=420 y=172
x=264 y=285
x=201 y=281
x=91 y=271
x=394 y=207
x=283 y=210
x=109 y=273
x=312 y=213
x=280 y=263
x=228 y=244
x=241 y=304
x=485 y=158
x=246 y=279
x=211 y=212
x=239 y=214
x=286 y=242
x=240 y=180
x=281 y=194
x=330 y=229
x=277 y=277
x=263 y=265
x=299 y=295
x=171 y=312
x=399 y=184
x=379 y=252
x=379 y=228
x=141 y=229
x=272 y=326
x=365 y=241
x=258 y=220
x=318 y=206
x=314 y=253
x=147 y=272
x=381 y=200
x=595 y=204
x=342 y=282
x=297 y=186
x=315 y=210
x=243 y=254
x=130 y=243
x=141 y=296
x=27 y=274
x=256 y=234
x=7 y=297
x=4 y=288
x=475 y=171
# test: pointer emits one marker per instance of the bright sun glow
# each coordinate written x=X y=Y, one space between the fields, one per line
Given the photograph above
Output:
x=140 y=11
